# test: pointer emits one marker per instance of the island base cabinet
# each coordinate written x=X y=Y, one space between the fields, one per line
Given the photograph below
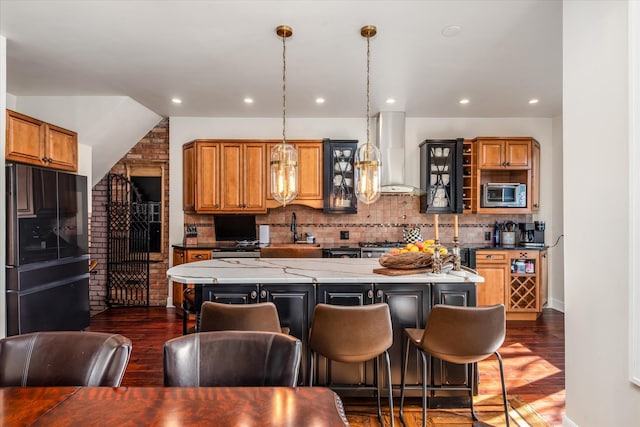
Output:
x=409 y=305
x=448 y=374
x=295 y=305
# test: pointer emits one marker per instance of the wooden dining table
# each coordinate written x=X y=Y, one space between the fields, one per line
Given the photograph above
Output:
x=171 y=406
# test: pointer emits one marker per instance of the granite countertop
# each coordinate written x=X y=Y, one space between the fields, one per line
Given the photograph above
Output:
x=300 y=271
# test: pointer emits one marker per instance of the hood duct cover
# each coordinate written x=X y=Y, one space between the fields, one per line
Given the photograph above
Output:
x=390 y=139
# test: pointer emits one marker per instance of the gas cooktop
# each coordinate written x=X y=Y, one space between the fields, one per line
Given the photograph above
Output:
x=384 y=244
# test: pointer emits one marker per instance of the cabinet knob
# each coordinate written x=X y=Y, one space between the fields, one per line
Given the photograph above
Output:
x=489 y=256
x=198 y=256
x=535 y=205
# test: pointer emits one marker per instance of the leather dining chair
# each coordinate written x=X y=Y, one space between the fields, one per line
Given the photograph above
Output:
x=63 y=358
x=233 y=359
x=457 y=335
x=354 y=334
x=215 y=316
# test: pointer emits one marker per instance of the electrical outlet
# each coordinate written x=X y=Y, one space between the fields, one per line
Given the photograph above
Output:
x=344 y=235
x=487 y=235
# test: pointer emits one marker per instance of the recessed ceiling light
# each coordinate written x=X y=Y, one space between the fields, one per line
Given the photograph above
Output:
x=464 y=101
x=451 y=30
x=176 y=100
x=390 y=101
x=319 y=100
x=533 y=101
x=248 y=100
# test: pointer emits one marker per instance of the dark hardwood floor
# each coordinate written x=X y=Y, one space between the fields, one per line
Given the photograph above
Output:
x=533 y=354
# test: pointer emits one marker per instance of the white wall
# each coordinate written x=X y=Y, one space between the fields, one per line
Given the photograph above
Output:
x=3 y=219
x=596 y=182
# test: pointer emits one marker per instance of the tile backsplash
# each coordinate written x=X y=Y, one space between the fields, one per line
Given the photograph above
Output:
x=383 y=220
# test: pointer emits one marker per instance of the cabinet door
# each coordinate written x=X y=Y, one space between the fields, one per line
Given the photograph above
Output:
x=445 y=373
x=337 y=373
x=494 y=267
x=534 y=185
x=189 y=177
x=295 y=304
x=231 y=169
x=441 y=176
x=207 y=195
x=25 y=136
x=61 y=148
x=518 y=154
x=310 y=173
x=409 y=304
x=339 y=177
x=253 y=189
x=491 y=154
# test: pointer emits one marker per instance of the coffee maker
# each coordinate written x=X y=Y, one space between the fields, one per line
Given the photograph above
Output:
x=531 y=234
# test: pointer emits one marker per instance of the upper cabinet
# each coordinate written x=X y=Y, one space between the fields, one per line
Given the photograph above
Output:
x=441 y=179
x=224 y=176
x=35 y=142
x=498 y=153
x=310 y=166
x=510 y=160
x=339 y=195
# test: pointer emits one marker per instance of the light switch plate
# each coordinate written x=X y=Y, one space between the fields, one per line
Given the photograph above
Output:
x=344 y=235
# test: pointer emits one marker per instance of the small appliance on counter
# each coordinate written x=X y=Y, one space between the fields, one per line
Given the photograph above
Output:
x=531 y=234
x=264 y=238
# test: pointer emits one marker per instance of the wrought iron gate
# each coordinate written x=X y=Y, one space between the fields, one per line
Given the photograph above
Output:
x=127 y=244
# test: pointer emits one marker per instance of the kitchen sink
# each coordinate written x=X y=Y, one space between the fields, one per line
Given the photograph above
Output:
x=291 y=250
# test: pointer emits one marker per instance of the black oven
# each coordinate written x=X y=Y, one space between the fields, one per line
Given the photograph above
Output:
x=341 y=252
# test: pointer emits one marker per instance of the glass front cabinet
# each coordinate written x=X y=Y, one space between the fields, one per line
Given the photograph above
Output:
x=441 y=175
x=339 y=195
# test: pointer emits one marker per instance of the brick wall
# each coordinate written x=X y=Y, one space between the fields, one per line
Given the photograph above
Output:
x=153 y=148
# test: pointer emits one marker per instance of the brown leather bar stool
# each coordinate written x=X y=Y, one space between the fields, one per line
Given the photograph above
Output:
x=215 y=316
x=457 y=335
x=354 y=334
x=232 y=358
x=65 y=358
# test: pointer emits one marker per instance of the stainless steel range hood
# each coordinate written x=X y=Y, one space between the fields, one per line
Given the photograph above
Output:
x=390 y=141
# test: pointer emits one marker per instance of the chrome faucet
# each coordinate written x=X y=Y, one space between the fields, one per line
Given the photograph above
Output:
x=294 y=227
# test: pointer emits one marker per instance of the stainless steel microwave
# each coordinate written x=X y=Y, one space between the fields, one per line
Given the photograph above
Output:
x=504 y=195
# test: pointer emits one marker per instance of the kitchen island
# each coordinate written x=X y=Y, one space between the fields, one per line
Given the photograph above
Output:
x=296 y=285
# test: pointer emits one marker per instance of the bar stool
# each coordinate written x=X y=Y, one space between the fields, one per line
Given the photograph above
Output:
x=354 y=334
x=263 y=316
x=457 y=335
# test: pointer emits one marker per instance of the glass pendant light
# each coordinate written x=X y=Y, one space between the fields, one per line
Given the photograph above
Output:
x=367 y=164
x=284 y=158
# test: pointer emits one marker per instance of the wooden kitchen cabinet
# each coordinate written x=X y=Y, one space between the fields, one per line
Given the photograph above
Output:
x=515 y=278
x=310 y=167
x=32 y=141
x=508 y=160
x=224 y=176
x=494 y=267
x=182 y=256
x=497 y=153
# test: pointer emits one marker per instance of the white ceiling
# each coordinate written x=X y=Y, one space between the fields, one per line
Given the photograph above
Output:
x=212 y=54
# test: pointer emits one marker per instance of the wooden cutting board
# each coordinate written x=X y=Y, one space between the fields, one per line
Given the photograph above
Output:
x=400 y=272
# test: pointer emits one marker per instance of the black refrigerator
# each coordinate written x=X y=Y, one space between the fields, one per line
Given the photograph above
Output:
x=47 y=271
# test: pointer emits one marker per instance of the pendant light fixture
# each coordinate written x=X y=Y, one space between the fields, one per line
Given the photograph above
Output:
x=284 y=158
x=367 y=158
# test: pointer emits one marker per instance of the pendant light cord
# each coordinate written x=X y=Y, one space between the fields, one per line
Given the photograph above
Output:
x=284 y=89
x=368 y=89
